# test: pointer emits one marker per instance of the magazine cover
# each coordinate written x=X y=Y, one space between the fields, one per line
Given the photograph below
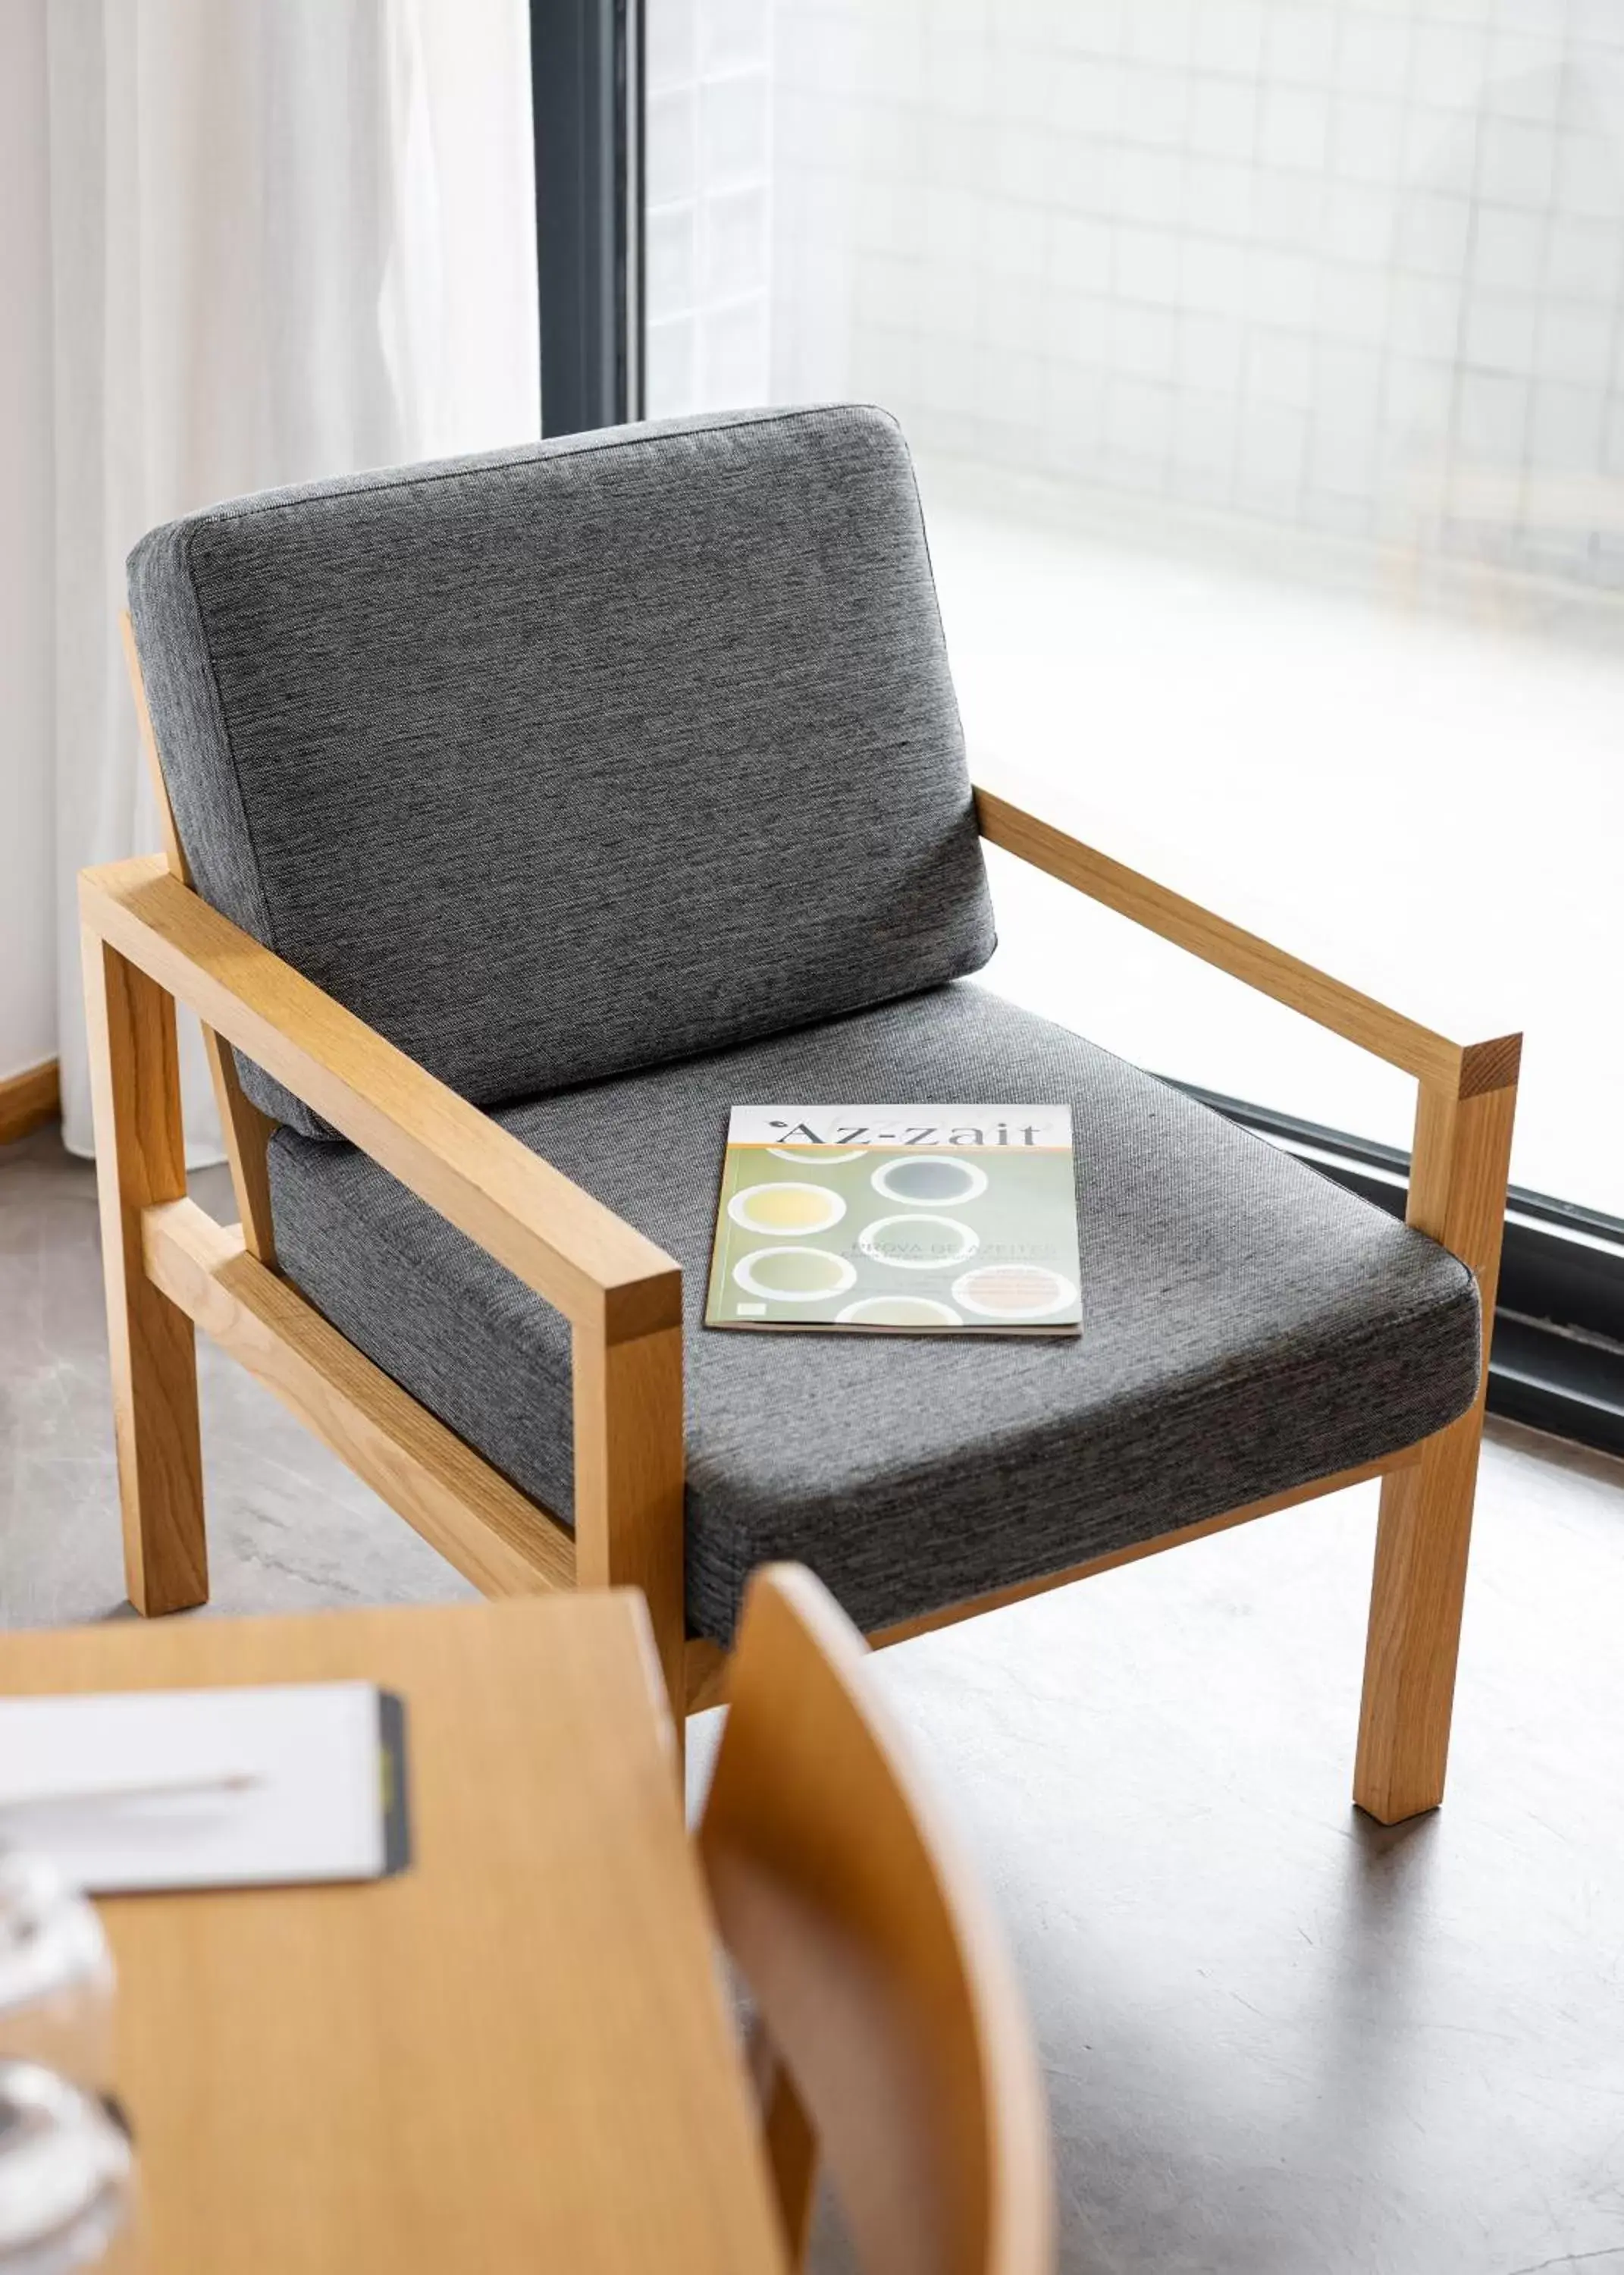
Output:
x=897 y=1220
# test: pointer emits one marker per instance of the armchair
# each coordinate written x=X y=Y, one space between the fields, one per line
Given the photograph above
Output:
x=526 y=812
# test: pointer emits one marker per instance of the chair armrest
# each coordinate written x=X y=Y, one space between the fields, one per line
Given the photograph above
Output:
x=604 y=1276
x=1460 y=1070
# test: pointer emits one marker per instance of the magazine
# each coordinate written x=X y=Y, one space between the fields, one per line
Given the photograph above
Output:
x=897 y=1220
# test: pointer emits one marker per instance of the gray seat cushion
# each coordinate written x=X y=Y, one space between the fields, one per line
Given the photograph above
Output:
x=1247 y=1326
x=578 y=758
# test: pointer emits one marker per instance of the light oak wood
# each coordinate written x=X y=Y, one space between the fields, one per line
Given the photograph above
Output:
x=629 y=1471
x=494 y=1534
x=706 y=1664
x=246 y=1131
x=1462 y=1068
x=556 y=1238
x=513 y=2058
x=704 y=1673
x=1457 y=1193
x=790 y=2143
x=140 y=1160
x=872 y=1957
x=29 y=1099
x=174 y=853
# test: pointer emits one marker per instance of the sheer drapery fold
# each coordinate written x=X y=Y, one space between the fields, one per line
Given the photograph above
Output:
x=288 y=238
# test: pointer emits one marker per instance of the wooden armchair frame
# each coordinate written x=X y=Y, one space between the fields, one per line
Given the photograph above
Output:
x=150 y=942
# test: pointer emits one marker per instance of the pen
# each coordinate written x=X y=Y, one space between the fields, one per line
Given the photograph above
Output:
x=153 y=1789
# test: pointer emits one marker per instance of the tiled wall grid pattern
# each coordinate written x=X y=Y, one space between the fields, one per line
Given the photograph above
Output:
x=1354 y=265
x=707 y=243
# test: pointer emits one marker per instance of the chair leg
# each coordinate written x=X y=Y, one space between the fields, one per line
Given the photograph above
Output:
x=629 y=1454
x=1416 y=1598
x=1457 y=1194
x=140 y=1160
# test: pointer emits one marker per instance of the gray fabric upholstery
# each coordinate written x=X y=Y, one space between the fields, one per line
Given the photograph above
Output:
x=580 y=757
x=1247 y=1326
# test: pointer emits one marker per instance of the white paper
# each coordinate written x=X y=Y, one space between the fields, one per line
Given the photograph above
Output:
x=279 y=1783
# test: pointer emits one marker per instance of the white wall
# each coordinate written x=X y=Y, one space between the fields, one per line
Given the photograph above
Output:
x=27 y=896
x=278 y=242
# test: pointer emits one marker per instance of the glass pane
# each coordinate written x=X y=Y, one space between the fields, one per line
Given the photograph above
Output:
x=1262 y=360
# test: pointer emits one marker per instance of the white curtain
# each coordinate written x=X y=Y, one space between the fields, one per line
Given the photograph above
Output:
x=290 y=238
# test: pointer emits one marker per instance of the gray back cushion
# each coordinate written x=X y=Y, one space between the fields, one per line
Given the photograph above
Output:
x=579 y=757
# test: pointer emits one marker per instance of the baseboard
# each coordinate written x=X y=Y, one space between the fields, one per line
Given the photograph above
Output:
x=27 y=1100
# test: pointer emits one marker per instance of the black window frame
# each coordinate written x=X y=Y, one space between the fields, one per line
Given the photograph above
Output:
x=587 y=110
x=1556 y=1361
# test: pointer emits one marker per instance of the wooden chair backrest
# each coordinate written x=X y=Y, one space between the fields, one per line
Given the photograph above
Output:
x=877 y=1969
x=246 y=1131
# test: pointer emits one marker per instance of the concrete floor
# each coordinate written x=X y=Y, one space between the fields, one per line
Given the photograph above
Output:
x=1277 y=2039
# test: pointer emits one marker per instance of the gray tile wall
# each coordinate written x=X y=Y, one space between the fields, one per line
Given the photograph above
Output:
x=1356 y=266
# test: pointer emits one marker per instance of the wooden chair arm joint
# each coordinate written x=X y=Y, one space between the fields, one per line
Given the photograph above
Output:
x=646 y=1306
x=1494 y=1065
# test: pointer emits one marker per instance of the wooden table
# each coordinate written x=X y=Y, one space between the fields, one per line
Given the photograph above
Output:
x=516 y=2056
